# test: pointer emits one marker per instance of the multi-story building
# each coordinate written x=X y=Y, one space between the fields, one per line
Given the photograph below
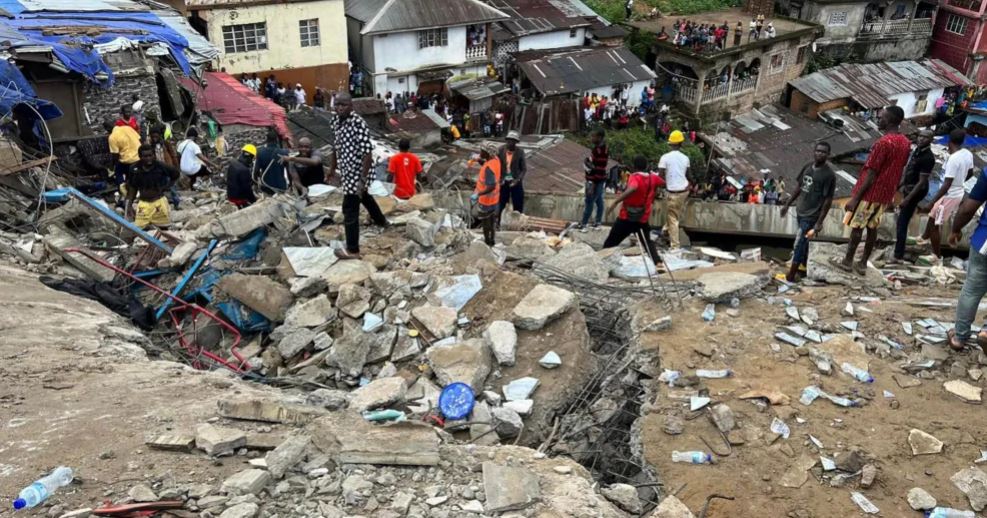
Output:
x=299 y=41
x=416 y=45
x=892 y=30
x=958 y=38
x=712 y=81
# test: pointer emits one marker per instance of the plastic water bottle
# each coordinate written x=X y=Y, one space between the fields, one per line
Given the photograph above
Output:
x=709 y=313
x=705 y=373
x=41 y=489
x=949 y=512
x=860 y=374
x=842 y=401
x=809 y=394
x=692 y=457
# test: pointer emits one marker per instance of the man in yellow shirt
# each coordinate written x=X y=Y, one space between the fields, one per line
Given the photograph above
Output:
x=124 y=144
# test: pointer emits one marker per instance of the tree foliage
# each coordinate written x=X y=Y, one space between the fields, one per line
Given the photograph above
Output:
x=624 y=145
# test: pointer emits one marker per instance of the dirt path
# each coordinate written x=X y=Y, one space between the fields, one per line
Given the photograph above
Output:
x=757 y=471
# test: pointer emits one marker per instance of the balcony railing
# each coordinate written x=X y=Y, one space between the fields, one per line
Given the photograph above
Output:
x=715 y=93
x=686 y=90
x=476 y=52
x=894 y=28
x=743 y=85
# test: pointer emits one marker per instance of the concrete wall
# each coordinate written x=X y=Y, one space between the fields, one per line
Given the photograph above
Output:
x=400 y=51
x=552 y=40
x=907 y=102
x=901 y=49
x=100 y=104
x=284 y=50
x=705 y=217
x=822 y=13
x=633 y=100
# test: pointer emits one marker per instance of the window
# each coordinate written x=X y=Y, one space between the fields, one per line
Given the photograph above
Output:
x=245 y=38
x=956 y=24
x=572 y=33
x=800 y=58
x=838 y=19
x=433 y=38
x=777 y=62
x=308 y=30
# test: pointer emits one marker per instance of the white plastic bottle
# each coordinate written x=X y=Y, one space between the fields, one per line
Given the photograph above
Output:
x=692 y=457
x=948 y=512
x=809 y=394
x=42 y=488
x=856 y=372
x=705 y=373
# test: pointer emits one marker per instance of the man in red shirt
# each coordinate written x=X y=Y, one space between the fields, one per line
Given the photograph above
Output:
x=635 y=208
x=404 y=166
x=874 y=192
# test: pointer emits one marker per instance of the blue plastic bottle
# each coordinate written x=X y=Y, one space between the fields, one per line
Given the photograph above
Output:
x=41 y=489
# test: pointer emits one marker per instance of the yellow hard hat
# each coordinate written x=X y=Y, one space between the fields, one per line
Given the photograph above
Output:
x=250 y=149
x=676 y=137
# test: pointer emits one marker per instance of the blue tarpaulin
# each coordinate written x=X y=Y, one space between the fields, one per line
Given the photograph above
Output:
x=14 y=90
x=970 y=142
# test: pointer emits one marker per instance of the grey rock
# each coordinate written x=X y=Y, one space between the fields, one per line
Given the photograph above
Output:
x=578 y=259
x=353 y=300
x=551 y=360
x=216 y=440
x=527 y=248
x=671 y=507
x=973 y=483
x=522 y=406
x=328 y=399
x=507 y=423
x=509 y=488
x=821 y=269
x=295 y=342
x=246 y=482
x=286 y=455
x=723 y=417
x=542 y=305
x=307 y=286
x=349 y=353
x=920 y=499
x=379 y=393
x=438 y=320
x=502 y=338
x=520 y=389
x=142 y=493
x=244 y=510
x=347 y=272
x=723 y=286
x=356 y=489
x=923 y=443
x=381 y=344
x=420 y=231
x=482 y=431
x=310 y=313
x=850 y=461
x=468 y=362
x=406 y=347
x=625 y=496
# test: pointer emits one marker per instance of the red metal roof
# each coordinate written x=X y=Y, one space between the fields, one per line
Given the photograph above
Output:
x=230 y=102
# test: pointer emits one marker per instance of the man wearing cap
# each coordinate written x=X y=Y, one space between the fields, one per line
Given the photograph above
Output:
x=239 y=178
x=299 y=95
x=514 y=167
x=674 y=166
x=486 y=194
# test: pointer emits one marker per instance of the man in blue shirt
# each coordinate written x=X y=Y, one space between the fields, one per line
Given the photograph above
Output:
x=975 y=285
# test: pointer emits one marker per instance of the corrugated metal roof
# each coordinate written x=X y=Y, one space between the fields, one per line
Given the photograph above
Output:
x=537 y=16
x=871 y=84
x=406 y=15
x=199 y=48
x=580 y=69
x=73 y=5
x=475 y=90
x=202 y=5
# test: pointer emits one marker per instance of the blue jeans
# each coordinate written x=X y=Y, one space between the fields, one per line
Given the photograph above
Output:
x=801 y=254
x=594 y=197
x=974 y=288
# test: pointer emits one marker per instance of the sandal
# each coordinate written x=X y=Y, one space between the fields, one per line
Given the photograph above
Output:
x=345 y=255
x=954 y=343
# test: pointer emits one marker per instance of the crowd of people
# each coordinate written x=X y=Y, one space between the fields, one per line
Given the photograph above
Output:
x=705 y=37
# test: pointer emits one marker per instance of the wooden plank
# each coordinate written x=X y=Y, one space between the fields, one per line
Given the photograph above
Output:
x=26 y=165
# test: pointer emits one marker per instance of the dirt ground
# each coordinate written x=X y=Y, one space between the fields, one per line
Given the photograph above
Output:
x=756 y=473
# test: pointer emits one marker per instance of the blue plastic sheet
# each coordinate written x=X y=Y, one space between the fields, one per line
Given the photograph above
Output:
x=248 y=248
x=246 y=320
x=14 y=90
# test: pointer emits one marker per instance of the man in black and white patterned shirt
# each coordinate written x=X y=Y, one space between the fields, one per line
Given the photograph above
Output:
x=352 y=159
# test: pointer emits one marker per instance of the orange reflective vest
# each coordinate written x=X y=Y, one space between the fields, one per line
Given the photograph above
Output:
x=493 y=198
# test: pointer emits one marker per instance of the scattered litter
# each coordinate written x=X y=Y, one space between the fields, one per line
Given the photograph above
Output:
x=460 y=292
x=709 y=314
x=850 y=324
x=714 y=374
x=456 y=401
x=816 y=442
x=789 y=339
x=827 y=463
x=692 y=457
x=848 y=309
x=907 y=327
x=698 y=402
x=779 y=427
x=864 y=504
x=372 y=322
x=669 y=376
x=888 y=394
x=857 y=373
x=551 y=360
x=520 y=389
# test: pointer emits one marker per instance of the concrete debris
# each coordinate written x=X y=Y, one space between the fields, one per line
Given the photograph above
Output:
x=314 y=312
x=379 y=393
x=286 y=455
x=216 y=440
x=963 y=390
x=273 y=210
x=352 y=440
x=923 y=443
x=520 y=389
x=671 y=507
x=295 y=342
x=578 y=259
x=246 y=482
x=329 y=399
x=259 y=293
x=625 y=496
x=353 y=300
x=724 y=286
x=920 y=499
x=542 y=305
x=438 y=320
x=172 y=442
x=528 y=248
x=723 y=417
x=268 y=411
x=420 y=231
x=142 y=493
x=468 y=362
x=551 y=360
x=509 y=488
x=347 y=272
x=507 y=423
x=523 y=407
x=502 y=339
x=482 y=430
x=456 y=292
x=820 y=267
x=973 y=483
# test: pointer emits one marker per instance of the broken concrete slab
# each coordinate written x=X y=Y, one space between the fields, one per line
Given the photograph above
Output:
x=506 y=422
x=269 y=411
x=277 y=210
x=259 y=293
x=352 y=440
x=310 y=313
x=379 y=393
x=923 y=443
x=420 y=231
x=440 y=321
x=509 y=488
x=286 y=455
x=821 y=269
x=58 y=239
x=973 y=483
x=142 y=493
x=578 y=259
x=724 y=286
x=353 y=300
x=920 y=499
x=241 y=510
x=625 y=496
x=671 y=507
x=309 y=262
x=406 y=347
x=216 y=440
x=295 y=342
x=246 y=482
x=528 y=248
x=523 y=407
x=542 y=305
x=347 y=272
x=963 y=390
x=172 y=442
x=520 y=389
x=349 y=353
x=501 y=336
x=468 y=362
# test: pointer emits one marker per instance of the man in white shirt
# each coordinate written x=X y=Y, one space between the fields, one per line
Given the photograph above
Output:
x=193 y=163
x=957 y=169
x=299 y=95
x=673 y=166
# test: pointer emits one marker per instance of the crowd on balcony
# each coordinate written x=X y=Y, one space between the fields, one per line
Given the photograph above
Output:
x=709 y=37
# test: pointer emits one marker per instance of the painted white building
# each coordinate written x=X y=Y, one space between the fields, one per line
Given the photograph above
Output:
x=416 y=45
x=538 y=25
